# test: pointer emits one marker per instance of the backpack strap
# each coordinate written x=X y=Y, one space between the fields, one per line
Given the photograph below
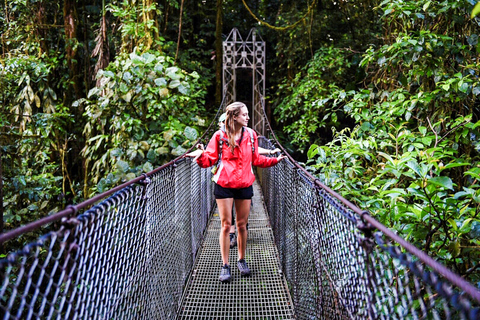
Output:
x=220 y=145
x=252 y=139
x=220 y=148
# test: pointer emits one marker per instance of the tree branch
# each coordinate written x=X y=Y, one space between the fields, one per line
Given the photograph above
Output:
x=179 y=31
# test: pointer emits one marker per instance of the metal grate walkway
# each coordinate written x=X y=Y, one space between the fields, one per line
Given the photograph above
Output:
x=263 y=295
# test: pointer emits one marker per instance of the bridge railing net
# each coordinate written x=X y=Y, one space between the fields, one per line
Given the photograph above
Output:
x=338 y=267
x=127 y=257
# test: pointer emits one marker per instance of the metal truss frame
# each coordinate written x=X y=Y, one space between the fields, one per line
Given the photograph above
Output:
x=248 y=54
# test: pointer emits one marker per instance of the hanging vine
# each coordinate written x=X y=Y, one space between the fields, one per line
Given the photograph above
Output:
x=280 y=28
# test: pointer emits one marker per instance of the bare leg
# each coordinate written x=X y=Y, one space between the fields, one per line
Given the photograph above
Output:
x=242 y=207
x=225 y=212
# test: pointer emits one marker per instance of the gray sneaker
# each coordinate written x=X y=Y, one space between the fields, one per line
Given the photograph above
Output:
x=225 y=274
x=233 y=240
x=243 y=268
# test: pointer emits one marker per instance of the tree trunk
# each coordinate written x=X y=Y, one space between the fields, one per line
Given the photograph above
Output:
x=40 y=28
x=147 y=16
x=219 y=53
x=70 y=22
x=179 y=31
x=167 y=7
x=86 y=67
x=102 y=49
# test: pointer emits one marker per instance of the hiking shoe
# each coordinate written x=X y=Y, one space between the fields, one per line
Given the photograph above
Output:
x=225 y=274
x=233 y=240
x=243 y=268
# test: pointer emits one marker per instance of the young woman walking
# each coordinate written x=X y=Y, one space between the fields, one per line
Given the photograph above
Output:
x=236 y=148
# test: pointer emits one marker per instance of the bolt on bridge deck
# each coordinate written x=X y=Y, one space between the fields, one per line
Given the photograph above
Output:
x=263 y=295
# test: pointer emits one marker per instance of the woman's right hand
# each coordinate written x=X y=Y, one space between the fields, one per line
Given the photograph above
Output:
x=197 y=153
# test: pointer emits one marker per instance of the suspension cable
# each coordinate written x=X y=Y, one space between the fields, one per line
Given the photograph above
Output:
x=280 y=28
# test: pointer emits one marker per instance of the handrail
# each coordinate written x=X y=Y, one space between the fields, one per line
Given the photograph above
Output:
x=364 y=215
x=72 y=209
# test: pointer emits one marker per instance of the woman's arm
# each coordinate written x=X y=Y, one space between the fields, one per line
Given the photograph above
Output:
x=267 y=151
x=197 y=153
x=261 y=161
x=207 y=157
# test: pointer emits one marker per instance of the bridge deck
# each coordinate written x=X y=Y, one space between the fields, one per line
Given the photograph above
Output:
x=263 y=295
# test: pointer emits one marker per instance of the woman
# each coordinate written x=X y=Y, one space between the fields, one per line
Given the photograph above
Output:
x=237 y=147
x=221 y=125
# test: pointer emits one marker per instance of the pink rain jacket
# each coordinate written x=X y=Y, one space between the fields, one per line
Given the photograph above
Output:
x=235 y=169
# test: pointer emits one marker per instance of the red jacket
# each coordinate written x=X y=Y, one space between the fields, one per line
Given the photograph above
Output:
x=235 y=170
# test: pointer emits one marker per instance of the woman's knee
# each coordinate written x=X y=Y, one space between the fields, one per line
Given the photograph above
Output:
x=226 y=227
x=241 y=226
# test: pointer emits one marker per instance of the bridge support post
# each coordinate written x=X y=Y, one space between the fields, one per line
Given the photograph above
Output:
x=248 y=54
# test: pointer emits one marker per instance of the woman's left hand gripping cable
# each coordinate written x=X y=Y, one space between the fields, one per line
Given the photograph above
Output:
x=197 y=153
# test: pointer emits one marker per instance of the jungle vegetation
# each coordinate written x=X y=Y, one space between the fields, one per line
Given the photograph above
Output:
x=378 y=98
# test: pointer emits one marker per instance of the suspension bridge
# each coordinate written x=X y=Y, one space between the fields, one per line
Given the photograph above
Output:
x=148 y=249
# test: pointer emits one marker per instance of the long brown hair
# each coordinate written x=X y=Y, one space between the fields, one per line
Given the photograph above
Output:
x=232 y=111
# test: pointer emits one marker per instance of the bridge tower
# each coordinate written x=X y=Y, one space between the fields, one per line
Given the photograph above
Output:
x=248 y=54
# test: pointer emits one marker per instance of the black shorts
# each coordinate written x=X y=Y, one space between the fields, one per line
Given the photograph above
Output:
x=225 y=193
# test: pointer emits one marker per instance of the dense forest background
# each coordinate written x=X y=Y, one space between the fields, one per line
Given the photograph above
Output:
x=379 y=98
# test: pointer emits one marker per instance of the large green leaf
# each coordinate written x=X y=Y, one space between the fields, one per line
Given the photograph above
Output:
x=162 y=150
x=412 y=164
x=445 y=182
x=312 y=151
x=183 y=89
x=456 y=164
x=109 y=74
x=93 y=92
x=475 y=11
x=127 y=76
x=122 y=166
x=161 y=82
x=149 y=58
x=173 y=84
x=190 y=133
x=147 y=167
x=172 y=73
x=158 y=68
x=178 y=151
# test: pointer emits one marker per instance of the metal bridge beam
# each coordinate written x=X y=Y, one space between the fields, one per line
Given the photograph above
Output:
x=248 y=54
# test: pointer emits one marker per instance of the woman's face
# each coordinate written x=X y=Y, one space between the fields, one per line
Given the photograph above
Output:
x=242 y=118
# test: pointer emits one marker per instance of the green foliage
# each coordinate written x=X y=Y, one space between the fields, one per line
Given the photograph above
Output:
x=145 y=112
x=475 y=11
x=18 y=33
x=413 y=181
x=313 y=101
x=344 y=24
x=24 y=83
x=32 y=139
x=412 y=157
x=135 y=29
x=40 y=128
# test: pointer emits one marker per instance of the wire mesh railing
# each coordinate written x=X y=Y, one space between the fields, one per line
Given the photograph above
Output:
x=123 y=254
x=127 y=257
x=127 y=254
x=341 y=263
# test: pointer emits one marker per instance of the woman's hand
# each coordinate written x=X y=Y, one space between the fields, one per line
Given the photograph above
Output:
x=274 y=151
x=197 y=153
x=281 y=157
